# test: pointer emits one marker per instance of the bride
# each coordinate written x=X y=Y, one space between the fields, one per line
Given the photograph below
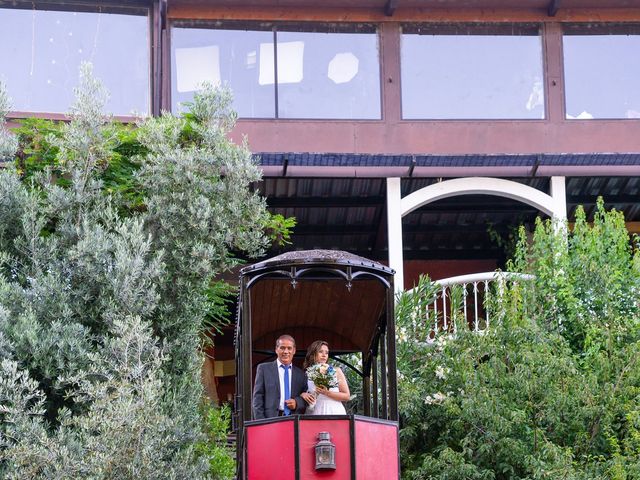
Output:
x=323 y=401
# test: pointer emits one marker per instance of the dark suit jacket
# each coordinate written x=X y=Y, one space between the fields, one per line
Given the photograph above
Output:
x=266 y=391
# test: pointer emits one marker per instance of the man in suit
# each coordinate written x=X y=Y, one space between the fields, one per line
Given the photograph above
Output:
x=279 y=385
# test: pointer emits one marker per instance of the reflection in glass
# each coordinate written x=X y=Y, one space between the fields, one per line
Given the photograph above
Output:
x=195 y=66
x=41 y=52
x=485 y=76
x=602 y=76
x=343 y=67
x=242 y=60
x=332 y=75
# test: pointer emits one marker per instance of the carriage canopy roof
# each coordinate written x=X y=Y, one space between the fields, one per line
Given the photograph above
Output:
x=317 y=294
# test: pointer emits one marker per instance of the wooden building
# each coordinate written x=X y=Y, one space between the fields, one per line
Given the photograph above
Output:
x=412 y=132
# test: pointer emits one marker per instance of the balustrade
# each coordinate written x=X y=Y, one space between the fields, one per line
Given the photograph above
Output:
x=464 y=299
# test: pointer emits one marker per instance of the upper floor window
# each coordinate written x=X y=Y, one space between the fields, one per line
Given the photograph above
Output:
x=41 y=52
x=472 y=72
x=602 y=71
x=329 y=72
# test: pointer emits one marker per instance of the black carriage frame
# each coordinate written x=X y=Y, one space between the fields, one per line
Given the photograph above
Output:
x=379 y=386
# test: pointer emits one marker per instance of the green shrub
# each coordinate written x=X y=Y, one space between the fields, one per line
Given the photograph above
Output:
x=216 y=446
x=111 y=238
x=552 y=388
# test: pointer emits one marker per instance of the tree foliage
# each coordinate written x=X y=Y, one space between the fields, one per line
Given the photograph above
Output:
x=110 y=241
x=552 y=388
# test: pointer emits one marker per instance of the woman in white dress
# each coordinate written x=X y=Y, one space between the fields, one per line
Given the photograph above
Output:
x=323 y=401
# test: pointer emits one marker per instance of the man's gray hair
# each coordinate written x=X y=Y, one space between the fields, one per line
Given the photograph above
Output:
x=285 y=337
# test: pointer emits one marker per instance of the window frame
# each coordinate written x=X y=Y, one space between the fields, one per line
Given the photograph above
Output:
x=132 y=7
x=593 y=29
x=478 y=28
x=275 y=27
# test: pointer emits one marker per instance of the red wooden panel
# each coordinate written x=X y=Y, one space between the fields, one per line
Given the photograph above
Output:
x=271 y=451
x=308 y=437
x=376 y=451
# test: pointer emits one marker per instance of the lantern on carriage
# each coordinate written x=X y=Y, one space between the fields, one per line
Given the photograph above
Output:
x=325 y=452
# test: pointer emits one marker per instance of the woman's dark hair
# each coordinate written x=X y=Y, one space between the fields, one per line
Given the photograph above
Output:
x=313 y=349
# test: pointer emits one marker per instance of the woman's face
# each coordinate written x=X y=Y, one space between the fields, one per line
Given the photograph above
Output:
x=322 y=355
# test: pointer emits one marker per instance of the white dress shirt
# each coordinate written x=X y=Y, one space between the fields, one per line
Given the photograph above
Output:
x=281 y=377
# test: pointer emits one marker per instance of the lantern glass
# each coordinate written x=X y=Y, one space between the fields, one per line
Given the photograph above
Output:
x=325 y=452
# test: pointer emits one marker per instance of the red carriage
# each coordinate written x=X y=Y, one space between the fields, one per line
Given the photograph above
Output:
x=347 y=301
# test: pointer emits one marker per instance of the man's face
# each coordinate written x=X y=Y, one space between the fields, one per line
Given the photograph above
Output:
x=285 y=349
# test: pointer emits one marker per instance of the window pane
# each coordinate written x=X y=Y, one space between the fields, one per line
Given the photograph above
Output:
x=484 y=76
x=328 y=75
x=242 y=60
x=602 y=76
x=41 y=52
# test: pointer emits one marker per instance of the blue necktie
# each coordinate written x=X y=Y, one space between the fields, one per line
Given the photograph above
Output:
x=287 y=392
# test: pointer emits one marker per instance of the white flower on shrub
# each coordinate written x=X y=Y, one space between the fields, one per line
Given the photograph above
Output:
x=441 y=342
x=402 y=334
x=442 y=372
x=436 y=399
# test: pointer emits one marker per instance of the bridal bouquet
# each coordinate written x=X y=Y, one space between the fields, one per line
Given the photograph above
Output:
x=323 y=374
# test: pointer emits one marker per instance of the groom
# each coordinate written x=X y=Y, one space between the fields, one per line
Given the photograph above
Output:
x=279 y=385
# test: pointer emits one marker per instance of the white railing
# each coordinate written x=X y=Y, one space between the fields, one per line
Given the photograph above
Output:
x=473 y=291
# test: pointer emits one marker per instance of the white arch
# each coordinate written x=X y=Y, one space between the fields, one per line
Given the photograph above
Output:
x=480 y=185
x=553 y=205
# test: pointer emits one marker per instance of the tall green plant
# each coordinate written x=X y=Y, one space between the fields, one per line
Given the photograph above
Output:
x=215 y=446
x=102 y=304
x=552 y=388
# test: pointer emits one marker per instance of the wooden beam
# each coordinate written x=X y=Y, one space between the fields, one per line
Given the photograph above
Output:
x=633 y=227
x=436 y=254
x=321 y=230
x=608 y=199
x=307 y=230
x=486 y=203
x=324 y=202
x=390 y=7
x=305 y=11
x=480 y=253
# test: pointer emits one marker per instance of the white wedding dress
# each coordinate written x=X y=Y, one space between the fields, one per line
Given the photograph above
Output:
x=325 y=405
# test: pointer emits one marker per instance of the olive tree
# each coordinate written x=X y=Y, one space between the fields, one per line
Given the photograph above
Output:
x=102 y=306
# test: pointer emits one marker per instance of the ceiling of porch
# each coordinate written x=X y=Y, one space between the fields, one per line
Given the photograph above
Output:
x=350 y=214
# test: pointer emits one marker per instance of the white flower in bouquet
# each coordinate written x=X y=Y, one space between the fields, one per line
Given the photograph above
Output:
x=323 y=374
